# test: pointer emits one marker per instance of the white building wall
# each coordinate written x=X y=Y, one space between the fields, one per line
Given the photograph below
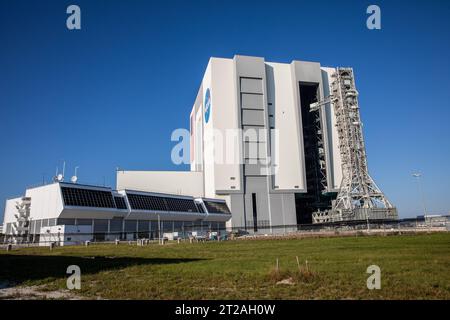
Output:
x=208 y=135
x=65 y=235
x=192 y=145
x=173 y=182
x=198 y=138
x=277 y=106
x=196 y=133
x=288 y=157
x=46 y=201
x=225 y=116
x=10 y=211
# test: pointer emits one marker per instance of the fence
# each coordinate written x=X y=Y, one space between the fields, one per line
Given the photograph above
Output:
x=197 y=233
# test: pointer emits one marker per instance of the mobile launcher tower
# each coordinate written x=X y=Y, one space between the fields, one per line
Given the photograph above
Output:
x=358 y=197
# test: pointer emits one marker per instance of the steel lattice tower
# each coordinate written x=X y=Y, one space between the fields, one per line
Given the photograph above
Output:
x=359 y=197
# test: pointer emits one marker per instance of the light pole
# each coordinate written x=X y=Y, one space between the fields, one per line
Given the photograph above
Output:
x=418 y=175
x=159 y=229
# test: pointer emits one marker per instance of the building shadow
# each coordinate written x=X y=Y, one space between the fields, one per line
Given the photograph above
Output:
x=17 y=269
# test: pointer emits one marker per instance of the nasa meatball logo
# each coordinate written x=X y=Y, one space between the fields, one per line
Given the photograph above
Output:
x=207 y=105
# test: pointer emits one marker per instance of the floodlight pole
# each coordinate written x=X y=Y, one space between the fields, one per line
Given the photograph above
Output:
x=159 y=229
x=367 y=221
x=417 y=175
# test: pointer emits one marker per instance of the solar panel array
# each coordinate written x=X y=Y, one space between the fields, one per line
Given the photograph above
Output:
x=104 y=199
x=143 y=202
x=216 y=207
x=120 y=203
x=181 y=205
x=160 y=203
x=87 y=198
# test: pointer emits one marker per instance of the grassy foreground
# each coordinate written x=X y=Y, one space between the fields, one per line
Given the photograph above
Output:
x=412 y=267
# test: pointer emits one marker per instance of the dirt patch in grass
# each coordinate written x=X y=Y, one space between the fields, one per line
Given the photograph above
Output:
x=292 y=277
x=10 y=292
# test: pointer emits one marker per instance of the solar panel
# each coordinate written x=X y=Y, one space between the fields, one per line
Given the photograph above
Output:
x=147 y=202
x=161 y=203
x=87 y=198
x=181 y=205
x=120 y=203
x=216 y=207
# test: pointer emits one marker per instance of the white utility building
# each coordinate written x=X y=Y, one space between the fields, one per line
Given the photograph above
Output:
x=68 y=213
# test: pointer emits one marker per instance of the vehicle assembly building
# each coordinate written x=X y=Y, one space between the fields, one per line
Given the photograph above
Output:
x=281 y=143
x=272 y=146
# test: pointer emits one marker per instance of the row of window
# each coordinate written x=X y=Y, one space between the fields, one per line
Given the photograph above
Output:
x=120 y=225
x=36 y=225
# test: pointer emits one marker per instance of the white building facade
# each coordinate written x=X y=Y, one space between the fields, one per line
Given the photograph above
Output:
x=255 y=144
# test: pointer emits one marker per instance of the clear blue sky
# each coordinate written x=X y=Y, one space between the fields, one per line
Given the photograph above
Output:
x=110 y=94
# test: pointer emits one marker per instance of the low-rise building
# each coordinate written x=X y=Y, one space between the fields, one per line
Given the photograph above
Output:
x=67 y=213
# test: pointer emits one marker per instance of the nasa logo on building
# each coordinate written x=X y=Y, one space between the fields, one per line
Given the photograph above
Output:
x=207 y=105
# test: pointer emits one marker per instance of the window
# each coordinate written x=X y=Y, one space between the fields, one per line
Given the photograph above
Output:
x=130 y=225
x=206 y=226
x=66 y=222
x=167 y=226
x=100 y=225
x=115 y=225
x=178 y=226
x=143 y=226
x=84 y=222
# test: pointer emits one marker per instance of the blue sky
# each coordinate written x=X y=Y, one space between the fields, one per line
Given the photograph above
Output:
x=110 y=95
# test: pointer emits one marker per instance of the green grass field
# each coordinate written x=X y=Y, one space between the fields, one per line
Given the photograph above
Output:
x=412 y=267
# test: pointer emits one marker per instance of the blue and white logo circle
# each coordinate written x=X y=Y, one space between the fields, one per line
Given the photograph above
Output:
x=207 y=105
